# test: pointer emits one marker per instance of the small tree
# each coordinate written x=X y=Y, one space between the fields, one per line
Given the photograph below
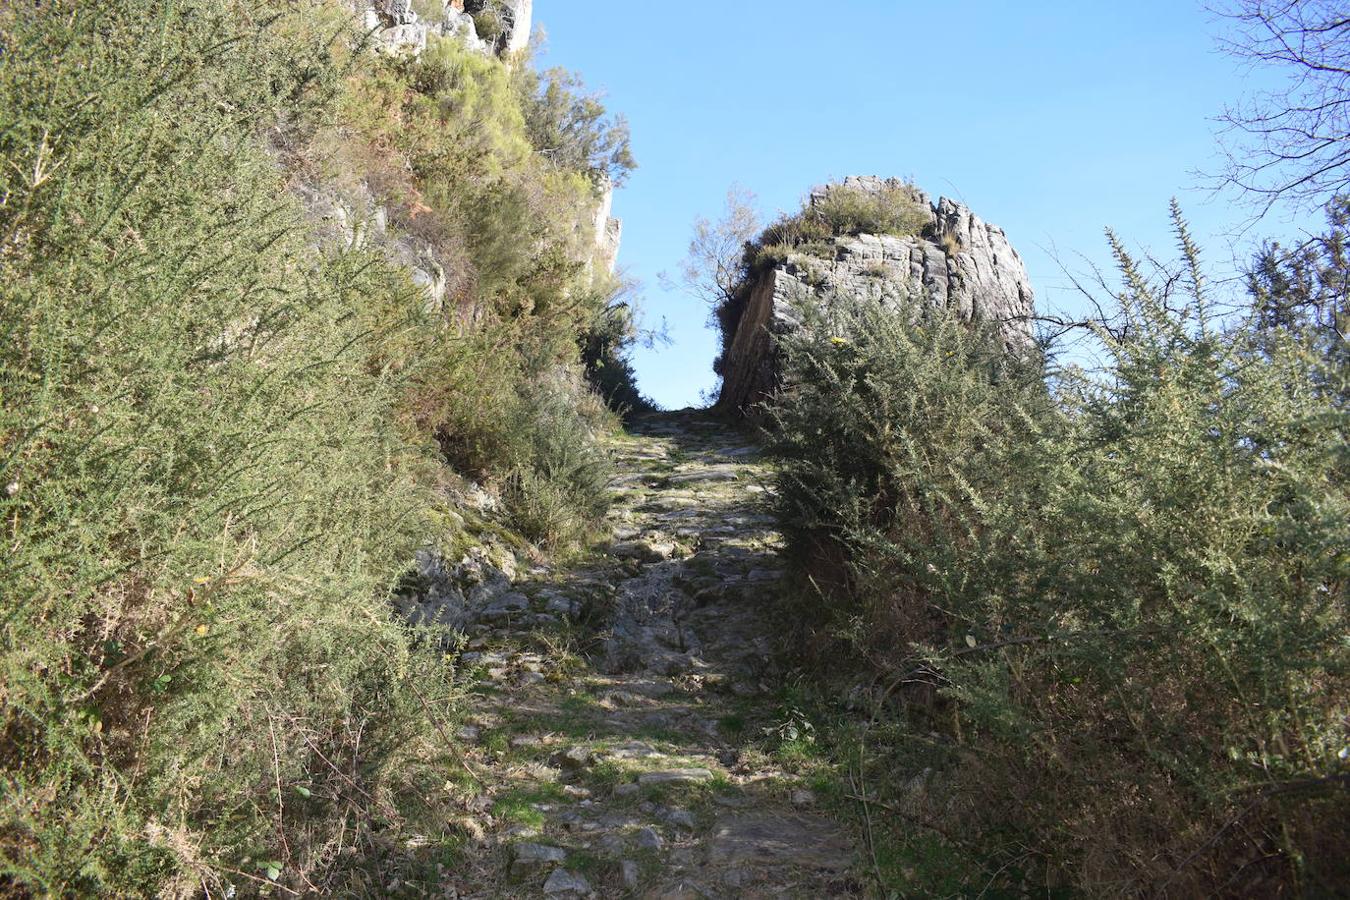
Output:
x=711 y=269
x=570 y=125
x=1307 y=286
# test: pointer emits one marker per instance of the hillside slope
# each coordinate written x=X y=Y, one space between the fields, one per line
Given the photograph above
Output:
x=286 y=308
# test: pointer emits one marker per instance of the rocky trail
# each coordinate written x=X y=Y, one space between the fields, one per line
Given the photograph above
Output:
x=620 y=708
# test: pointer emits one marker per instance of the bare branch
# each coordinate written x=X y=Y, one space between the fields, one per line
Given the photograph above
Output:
x=1290 y=146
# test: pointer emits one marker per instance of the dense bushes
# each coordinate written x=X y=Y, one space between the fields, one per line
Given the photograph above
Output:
x=1117 y=607
x=465 y=178
x=892 y=208
x=219 y=440
x=606 y=346
x=208 y=495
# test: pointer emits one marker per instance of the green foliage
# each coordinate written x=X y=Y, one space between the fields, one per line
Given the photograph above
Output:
x=208 y=493
x=558 y=485
x=1121 y=604
x=472 y=96
x=892 y=209
x=523 y=229
x=505 y=413
x=218 y=439
x=570 y=126
x=604 y=351
x=430 y=11
x=488 y=23
x=1305 y=290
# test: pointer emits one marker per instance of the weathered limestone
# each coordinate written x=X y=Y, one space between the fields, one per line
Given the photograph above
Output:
x=459 y=24
x=516 y=17
x=958 y=262
x=520 y=16
x=608 y=230
x=398 y=30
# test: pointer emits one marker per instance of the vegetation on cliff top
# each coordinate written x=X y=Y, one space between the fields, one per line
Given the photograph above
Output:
x=726 y=258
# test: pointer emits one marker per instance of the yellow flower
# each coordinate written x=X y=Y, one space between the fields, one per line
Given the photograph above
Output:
x=202 y=630
x=839 y=341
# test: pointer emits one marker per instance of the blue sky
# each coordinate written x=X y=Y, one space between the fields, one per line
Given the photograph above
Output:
x=1051 y=119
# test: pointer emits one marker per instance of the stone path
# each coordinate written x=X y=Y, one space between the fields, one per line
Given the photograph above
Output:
x=617 y=727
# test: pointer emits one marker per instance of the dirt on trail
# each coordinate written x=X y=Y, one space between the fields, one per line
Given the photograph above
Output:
x=619 y=753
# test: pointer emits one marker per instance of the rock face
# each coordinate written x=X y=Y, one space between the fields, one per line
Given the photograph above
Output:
x=398 y=30
x=352 y=217
x=608 y=230
x=959 y=262
x=519 y=15
x=513 y=17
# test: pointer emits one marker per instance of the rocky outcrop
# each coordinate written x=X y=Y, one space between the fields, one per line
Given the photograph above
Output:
x=958 y=262
x=350 y=217
x=608 y=230
x=518 y=17
x=399 y=30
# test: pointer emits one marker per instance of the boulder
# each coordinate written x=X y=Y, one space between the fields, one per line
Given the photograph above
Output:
x=958 y=262
x=528 y=857
x=563 y=883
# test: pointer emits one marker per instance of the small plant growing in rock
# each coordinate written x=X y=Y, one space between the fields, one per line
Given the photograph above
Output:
x=771 y=256
x=489 y=24
x=893 y=209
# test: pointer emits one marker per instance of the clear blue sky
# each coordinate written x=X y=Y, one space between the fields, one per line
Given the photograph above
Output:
x=1051 y=119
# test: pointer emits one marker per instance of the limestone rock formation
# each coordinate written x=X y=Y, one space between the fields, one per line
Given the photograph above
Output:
x=398 y=29
x=958 y=261
x=608 y=230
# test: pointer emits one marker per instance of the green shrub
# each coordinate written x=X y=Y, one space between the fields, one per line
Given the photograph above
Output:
x=522 y=227
x=558 y=490
x=893 y=209
x=430 y=11
x=218 y=439
x=1118 y=606
x=605 y=349
x=571 y=127
x=201 y=685
x=504 y=412
x=487 y=22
